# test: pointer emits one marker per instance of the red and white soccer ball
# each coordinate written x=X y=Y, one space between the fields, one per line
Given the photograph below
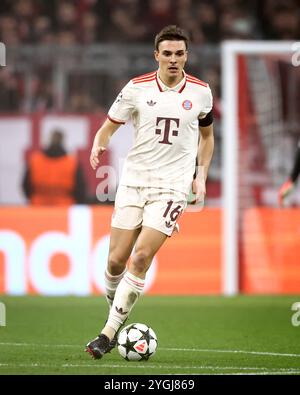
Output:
x=137 y=342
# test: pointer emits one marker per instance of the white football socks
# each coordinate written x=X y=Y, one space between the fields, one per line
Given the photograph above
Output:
x=126 y=295
x=111 y=283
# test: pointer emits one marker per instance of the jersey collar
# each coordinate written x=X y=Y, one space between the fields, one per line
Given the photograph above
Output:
x=178 y=88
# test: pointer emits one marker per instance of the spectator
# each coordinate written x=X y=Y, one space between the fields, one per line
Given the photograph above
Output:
x=236 y=24
x=285 y=24
x=9 y=97
x=54 y=177
x=186 y=18
x=125 y=22
x=25 y=13
x=43 y=30
x=89 y=28
x=43 y=99
x=279 y=20
x=66 y=16
x=160 y=13
x=207 y=18
x=9 y=30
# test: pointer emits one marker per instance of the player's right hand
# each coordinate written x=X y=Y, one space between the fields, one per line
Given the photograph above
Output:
x=95 y=156
x=285 y=189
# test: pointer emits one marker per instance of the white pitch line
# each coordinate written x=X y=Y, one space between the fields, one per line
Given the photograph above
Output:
x=233 y=352
x=260 y=370
x=40 y=345
x=276 y=354
x=255 y=374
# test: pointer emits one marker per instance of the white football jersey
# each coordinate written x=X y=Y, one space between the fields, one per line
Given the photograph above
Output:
x=166 y=130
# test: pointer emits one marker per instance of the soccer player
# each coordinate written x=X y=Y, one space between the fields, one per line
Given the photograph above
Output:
x=168 y=108
x=288 y=186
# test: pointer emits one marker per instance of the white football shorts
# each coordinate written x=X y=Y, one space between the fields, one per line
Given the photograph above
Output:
x=155 y=208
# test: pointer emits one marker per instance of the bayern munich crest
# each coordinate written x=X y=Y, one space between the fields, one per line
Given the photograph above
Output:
x=187 y=104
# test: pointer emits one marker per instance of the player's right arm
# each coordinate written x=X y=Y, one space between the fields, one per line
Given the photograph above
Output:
x=101 y=141
x=118 y=114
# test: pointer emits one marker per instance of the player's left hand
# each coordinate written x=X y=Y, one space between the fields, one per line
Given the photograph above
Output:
x=199 y=189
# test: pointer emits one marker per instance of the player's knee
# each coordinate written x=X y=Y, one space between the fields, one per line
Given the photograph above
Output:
x=140 y=261
x=116 y=264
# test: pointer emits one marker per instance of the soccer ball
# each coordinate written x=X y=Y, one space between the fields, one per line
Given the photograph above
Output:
x=137 y=342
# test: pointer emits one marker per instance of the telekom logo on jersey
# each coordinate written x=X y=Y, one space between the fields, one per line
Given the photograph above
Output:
x=167 y=129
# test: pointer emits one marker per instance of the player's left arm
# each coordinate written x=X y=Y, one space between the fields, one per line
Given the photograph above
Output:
x=204 y=156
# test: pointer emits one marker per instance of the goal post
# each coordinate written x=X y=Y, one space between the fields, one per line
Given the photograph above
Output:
x=233 y=53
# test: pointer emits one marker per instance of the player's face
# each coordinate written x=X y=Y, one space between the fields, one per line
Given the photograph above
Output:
x=171 y=57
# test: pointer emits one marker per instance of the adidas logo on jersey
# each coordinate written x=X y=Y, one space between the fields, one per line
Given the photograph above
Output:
x=151 y=103
x=119 y=98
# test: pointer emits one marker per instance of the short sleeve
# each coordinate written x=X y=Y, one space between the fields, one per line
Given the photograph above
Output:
x=123 y=106
x=207 y=103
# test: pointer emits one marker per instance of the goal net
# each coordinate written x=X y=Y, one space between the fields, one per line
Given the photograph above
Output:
x=261 y=128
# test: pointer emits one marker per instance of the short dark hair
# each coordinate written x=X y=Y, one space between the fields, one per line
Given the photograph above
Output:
x=56 y=137
x=173 y=33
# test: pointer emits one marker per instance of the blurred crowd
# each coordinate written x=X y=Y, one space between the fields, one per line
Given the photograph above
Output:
x=94 y=21
x=67 y=23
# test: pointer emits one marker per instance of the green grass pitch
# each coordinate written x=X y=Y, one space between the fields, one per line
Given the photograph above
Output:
x=196 y=335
